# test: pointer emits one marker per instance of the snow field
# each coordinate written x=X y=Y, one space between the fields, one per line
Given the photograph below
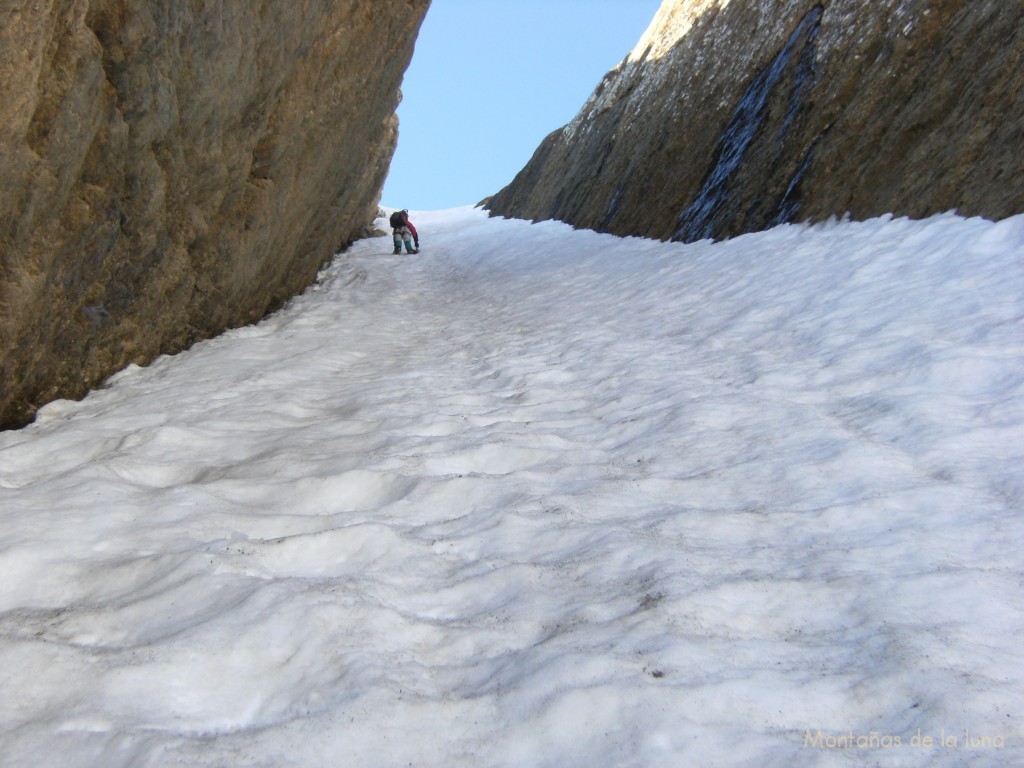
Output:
x=543 y=497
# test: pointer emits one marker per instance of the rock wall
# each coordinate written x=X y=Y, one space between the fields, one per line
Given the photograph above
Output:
x=732 y=117
x=172 y=168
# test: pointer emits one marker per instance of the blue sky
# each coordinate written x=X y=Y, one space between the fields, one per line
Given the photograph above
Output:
x=489 y=80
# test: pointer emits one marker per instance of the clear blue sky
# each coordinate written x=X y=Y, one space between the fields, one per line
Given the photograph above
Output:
x=489 y=80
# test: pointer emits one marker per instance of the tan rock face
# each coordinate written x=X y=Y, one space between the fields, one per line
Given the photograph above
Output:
x=171 y=169
x=732 y=116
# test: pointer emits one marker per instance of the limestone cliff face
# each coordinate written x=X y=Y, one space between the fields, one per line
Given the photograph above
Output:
x=731 y=117
x=173 y=168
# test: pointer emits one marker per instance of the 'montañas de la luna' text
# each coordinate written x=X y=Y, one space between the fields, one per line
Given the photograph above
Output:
x=965 y=739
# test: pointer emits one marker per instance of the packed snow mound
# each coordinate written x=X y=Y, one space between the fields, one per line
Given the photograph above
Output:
x=543 y=497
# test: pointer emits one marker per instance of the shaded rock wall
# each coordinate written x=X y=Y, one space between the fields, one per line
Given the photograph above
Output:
x=174 y=168
x=731 y=117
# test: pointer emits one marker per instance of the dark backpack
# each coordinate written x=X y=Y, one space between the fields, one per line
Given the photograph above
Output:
x=397 y=220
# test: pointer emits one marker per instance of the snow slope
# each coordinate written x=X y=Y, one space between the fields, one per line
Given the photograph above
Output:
x=541 y=497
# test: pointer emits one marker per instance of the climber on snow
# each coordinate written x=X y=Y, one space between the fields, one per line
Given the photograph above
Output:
x=405 y=232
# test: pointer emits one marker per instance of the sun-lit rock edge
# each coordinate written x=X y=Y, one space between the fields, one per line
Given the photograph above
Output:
x=731 y=117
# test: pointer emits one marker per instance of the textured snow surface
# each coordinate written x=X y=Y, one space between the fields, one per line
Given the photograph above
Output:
x=543 y=497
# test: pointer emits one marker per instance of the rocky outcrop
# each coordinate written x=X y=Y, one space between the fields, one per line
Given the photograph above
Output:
x=171 y=169
x=731 y=117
